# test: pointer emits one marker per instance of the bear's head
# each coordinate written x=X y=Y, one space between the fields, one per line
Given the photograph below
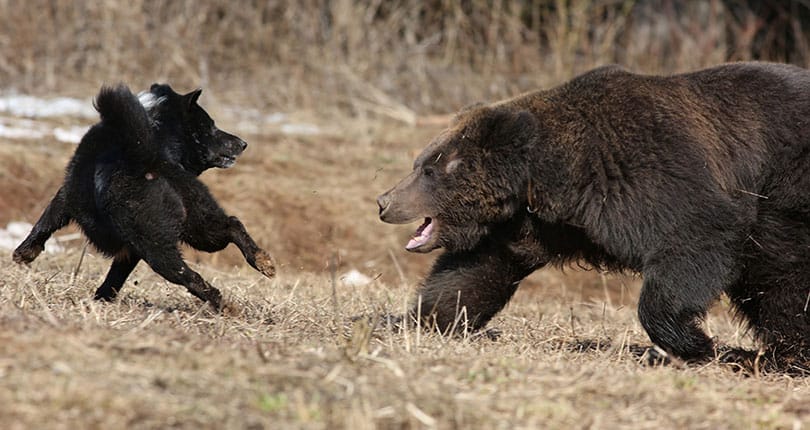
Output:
x=471 y=177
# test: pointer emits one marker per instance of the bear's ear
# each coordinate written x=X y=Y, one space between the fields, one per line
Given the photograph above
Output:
x=459 y=116
x=509 y=127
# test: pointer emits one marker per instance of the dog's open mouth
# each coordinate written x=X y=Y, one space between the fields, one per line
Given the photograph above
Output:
x=225 y=161
x=422 y=237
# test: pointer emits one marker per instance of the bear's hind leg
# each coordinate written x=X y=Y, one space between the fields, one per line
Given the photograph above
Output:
x=774 y=291
x=675 y=296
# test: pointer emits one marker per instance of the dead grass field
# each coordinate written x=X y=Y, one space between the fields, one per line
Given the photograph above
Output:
x=289 y=358
x=378 y=78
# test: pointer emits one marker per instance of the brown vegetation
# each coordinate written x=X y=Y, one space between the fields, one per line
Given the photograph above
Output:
x=370 y=57
x=377 y=77
x=288 y=359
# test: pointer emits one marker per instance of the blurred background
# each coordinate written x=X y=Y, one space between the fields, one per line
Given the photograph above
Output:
x=336 y=97
x=378 y=57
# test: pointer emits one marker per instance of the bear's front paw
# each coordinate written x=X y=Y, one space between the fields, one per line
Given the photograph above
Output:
x=492 y=333
x=650 y=355
x=740 y=360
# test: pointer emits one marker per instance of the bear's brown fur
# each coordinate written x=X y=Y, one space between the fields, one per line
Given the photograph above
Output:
x=699 y=181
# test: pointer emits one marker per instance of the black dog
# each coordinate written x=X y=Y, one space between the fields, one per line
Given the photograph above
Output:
x=132 y=187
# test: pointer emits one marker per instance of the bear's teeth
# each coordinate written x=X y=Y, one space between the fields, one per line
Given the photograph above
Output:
x=413 y=243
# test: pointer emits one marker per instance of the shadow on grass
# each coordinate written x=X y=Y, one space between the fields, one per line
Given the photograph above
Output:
x=745 y=361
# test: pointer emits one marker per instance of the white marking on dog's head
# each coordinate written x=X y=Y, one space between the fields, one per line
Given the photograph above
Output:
x=149 y=101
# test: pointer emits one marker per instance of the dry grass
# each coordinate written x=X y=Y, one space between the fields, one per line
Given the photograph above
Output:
x=288 y=358
x=370 y=73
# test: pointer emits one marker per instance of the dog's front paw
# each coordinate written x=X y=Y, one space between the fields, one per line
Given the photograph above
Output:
x=264 y=264
x=231 y=308
x=105 y=294
x=210 y=295
x=214 y=298
x=26 y=254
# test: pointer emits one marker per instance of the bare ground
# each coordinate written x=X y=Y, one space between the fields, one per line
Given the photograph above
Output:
x=287 y=354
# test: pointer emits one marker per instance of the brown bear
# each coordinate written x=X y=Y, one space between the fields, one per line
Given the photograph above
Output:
x=700 y=182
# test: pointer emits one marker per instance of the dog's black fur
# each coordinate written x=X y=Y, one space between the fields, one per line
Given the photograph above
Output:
x=132 y=187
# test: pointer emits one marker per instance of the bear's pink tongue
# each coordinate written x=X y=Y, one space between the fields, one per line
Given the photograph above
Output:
x=422 y=235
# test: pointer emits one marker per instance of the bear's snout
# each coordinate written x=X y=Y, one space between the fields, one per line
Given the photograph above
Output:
x=383 y=201
x=394 y=210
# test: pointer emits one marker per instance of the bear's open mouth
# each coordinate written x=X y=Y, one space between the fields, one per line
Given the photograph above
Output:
x=422 y=235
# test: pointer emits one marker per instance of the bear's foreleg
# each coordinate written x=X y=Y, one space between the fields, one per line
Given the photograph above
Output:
x=464 y=290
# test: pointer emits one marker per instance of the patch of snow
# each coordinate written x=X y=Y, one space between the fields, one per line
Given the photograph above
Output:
x=354 y=278
x=61 y=368
x=300 y=129
x=246 y=127
x=16 y=231
x=12 y=132
x=19 y=128
x=250 y=120
x=275 y=118
x=35 y=107
x=20 y=122
x=69 y=134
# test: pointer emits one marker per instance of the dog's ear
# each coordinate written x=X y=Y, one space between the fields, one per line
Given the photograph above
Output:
x=191 y=98
x=161 y=90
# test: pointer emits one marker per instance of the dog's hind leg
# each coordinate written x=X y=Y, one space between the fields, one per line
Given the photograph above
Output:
x=123 y=264
x=53 y=218
x=168 y=263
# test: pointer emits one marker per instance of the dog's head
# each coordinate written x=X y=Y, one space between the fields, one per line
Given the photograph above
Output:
x=186 y=131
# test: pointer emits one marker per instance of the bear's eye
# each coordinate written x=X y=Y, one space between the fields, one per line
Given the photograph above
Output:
x=428 y=171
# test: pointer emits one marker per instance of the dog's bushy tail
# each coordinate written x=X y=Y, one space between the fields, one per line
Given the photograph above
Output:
x=123 y=115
